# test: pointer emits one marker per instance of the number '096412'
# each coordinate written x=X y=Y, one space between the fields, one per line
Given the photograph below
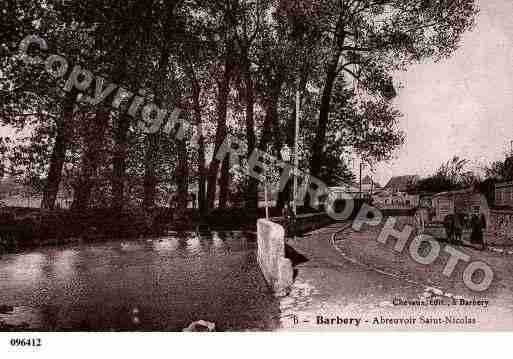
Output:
x=25 y=342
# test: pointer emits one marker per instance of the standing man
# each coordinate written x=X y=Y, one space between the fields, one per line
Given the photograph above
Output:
x=483 y=228
x=477 y=230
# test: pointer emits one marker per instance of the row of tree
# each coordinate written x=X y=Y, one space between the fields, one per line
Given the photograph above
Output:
x=451 y=175
x=234 y=66
x=455 y=175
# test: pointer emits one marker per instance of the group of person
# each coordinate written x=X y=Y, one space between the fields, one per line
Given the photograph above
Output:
x=455 y=223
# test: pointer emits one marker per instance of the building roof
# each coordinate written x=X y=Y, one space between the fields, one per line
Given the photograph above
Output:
x=345 y=188
x=402 y=183
x=469 y=190
x=367 y=180
x=504 y=184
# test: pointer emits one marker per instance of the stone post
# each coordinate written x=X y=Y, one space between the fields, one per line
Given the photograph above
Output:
x=276 y=268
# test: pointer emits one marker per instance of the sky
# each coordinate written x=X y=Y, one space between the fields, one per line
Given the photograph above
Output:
x=460 y=106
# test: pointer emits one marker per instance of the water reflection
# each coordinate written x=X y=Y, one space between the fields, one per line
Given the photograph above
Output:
x=193 y=244
x=217 y=241
x=25 y=268
x=151 y=284
x=63 y=262
x=166 y=244
x=131 y=246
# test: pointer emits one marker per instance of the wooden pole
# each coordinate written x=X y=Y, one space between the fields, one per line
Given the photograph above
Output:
x=296 y=152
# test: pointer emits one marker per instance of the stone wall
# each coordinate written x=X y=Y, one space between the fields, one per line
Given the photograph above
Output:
x=304 y=223
x=500 y=224
x=276 y=268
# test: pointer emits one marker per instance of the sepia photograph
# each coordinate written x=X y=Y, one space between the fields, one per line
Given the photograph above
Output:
x=172 y=166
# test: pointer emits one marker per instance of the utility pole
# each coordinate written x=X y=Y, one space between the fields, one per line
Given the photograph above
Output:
x=361 y=170
x=296 y=151
x=298 y=34
x=266 y=196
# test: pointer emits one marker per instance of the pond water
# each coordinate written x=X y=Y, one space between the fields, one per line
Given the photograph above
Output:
x=151 y=284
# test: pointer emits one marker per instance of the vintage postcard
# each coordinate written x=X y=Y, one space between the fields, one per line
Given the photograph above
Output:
x=261 y=165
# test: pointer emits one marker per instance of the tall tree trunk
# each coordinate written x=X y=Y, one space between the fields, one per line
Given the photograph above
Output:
x=271 y=126
x=278 y=144
x=94 y=140
x=271 y=123
x=249 y=96
x=202 y=175
x=121 y=124
x=59 y=152
x=182 y=178
x=121 y=128
x=316 y=161
x=151 y=160
x=267 y=129
x=221 y=131
x=153 y=140
x=119 y=160
x=224 y=183
x=202 y=181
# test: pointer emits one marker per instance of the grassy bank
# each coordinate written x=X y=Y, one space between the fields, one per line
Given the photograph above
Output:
x=23 y=228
